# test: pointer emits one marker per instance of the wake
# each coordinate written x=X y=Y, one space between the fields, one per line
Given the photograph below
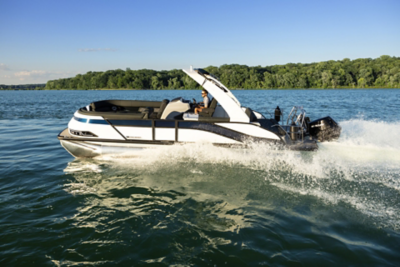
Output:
x=360 y=170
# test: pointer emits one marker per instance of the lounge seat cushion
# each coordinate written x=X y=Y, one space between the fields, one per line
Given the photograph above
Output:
x=208 y=112
x=124 y=116
x=250 y=114
x=163 y=105
x=106 y=105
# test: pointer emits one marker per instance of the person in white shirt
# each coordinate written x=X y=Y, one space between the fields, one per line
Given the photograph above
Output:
x=204 y=104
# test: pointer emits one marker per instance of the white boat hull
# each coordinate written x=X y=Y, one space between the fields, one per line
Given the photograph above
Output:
x=87 y=149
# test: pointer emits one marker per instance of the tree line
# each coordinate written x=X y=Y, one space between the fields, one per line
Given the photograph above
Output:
x=382 y=72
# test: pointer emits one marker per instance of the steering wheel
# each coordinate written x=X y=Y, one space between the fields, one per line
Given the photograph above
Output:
x=194 y=101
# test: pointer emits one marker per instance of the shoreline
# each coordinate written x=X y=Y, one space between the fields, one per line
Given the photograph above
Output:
x=274 y=89
x=264 y=89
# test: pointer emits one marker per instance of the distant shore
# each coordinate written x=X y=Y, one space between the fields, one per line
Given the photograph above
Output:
x=362 y=73
x=260 y=89
x=382 y=72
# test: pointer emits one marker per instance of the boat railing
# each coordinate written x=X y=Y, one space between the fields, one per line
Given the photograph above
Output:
x=295 y=123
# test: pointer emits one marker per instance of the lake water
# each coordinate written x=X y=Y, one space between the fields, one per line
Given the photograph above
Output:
x=198 y=204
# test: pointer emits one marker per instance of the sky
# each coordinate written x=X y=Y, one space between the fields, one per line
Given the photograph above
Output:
x=45 y=40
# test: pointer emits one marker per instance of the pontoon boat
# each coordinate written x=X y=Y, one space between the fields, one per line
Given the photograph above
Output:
x=114 y=126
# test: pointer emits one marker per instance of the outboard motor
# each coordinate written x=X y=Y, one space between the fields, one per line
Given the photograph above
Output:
x=324 y=129
x=278 y=114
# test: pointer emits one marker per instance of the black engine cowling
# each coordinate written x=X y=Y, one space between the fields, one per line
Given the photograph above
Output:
x=324 y=129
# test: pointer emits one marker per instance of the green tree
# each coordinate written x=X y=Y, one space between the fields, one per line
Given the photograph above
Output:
x=362 y=83
x=381 y=72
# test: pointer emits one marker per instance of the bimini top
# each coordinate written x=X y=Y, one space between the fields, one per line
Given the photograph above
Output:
x=222 y=94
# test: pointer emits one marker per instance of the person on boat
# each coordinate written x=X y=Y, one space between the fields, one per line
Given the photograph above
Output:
x=204 y=104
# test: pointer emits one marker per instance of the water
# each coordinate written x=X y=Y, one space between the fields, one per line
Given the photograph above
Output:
x=198 y=204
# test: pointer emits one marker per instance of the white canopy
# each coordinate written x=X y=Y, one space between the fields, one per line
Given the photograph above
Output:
x=222 y=94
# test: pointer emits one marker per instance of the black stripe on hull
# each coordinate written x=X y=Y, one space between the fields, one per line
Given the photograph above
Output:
x=215 y=129
x=203 y=126
x=210 y=127
x=146 y=142
x=156 y=142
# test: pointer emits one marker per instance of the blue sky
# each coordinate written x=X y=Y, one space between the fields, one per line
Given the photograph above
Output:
x=42 y=40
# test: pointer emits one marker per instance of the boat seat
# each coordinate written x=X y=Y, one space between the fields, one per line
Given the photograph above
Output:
x=157 y=112
x=250 y=114
x=208 y=112
x=146 y=111
x=123 y=105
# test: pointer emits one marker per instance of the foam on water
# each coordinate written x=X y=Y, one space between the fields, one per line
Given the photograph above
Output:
x=377 y=134
x=77 y=166
x=368 y=141
x=361 y=169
